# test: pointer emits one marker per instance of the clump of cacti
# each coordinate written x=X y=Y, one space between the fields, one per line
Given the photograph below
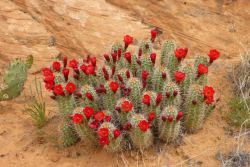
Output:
x=131 y=99
x=14 y=78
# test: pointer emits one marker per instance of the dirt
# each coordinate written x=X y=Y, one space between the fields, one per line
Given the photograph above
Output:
x=45 y=28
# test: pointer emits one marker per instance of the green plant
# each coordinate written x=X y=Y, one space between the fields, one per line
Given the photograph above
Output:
x=129 y=99
x=14 y=78
x=239 y=112
x=36 y=107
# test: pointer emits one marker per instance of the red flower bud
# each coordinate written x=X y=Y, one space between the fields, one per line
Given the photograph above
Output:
x=127 y=74
x=114 y=57
x=153 y=57
x=65 y=73
x=65 y=61
x=140 y=52
x=151 y=116
x=138 y=61
x=144 y=75
x=73 y=64
x=120 y=78
x=146 y=99
x=127 y=40
x=127 y=106
x=118 y=109
x=153 y=34
x=175 y=93
x=164 y=75
x=168 y=94
x=179 y=116
x=194 y=102
x=78 y=94
x=106 y=56
x=117 y=133
x=76 y=76
x=94 y=125
x=127 y=126
x=114 y=86
x=108 y=118
x=163 y=118
x=158 y=98
x=93 y=61
x=89 y=96
x=128 y=57
x=113 y=70
x=170 y=118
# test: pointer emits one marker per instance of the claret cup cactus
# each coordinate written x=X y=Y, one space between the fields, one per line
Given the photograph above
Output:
x=131 y=99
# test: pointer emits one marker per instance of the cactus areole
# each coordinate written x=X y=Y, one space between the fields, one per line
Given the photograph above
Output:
x=131 y=95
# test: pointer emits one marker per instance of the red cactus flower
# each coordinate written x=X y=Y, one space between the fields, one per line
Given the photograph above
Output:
x=127 y=126
x=143 y=125
x=114 y=86
x=117 y=133
x=88 y=69
x=114 y=56
x=104 y=141
x=93 y=61
x=103 y=132
x=65 y=61
x=106 y=56
x=127 y=106
x=127 y=40
x=49 y=78
x=70 y=87
x=128 y=57
x=153 y=34
x=209 y=100
x=213 y=55
x=89 y=96
x=77 y=118
x=108 y=118
x=153 y=57
x=65 y=73
x=208 y=91
x=179 y=116
x=73 y=63
x=49 y=85
x=202 y=69
x=99 y=116
x=175 y=93
x=56 y=65
x=163 y=118
x=88 y=111
x=58 y=90
x=180 y=53
x=94 y=125
x=179 y=76
x=170 y=118
x=47 y=72
x=151 y=116
x=146 y=99
x=158 y=98
x=144 y=75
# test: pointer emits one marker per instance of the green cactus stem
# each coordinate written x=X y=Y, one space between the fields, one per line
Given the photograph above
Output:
x=159 y=78
x=171 y=95
x=194 y=108
x=189 y=70
x=15 y=78
x=141 y=139
x=136 y=91
x=169 y=124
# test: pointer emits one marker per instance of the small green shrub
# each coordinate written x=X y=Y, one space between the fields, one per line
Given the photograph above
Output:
x=239 y=112
x=36 y=107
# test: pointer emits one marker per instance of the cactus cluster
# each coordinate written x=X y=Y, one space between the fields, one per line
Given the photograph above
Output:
x=14 y=78
x=132 y=99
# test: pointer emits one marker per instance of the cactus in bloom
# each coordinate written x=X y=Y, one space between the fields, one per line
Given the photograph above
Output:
x=15 y=78
x=130 y=100
x=140 y=132
x=169 y=123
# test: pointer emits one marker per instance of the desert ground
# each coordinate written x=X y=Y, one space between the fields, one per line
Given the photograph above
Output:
x=45 y=28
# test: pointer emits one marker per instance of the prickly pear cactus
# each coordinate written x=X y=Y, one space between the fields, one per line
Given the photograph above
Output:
x=131 y=100
x=14 y=78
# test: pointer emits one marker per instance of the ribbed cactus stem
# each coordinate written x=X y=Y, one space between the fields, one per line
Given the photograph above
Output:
x=200 y=60
x=66 y=107
x=124 y=108
x=169 y=123
x=160 y=76
x=111 y=95
x=136 y=90
x=167 y=52
x=123 y=75
x=194 y=108
x=114 y=137
x=14 y=78
x=189 y=71
x=142 y=137
x=171 y=95
x=89 y=96
x=148 y=100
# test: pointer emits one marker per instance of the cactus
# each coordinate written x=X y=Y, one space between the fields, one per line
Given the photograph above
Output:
x=130 y=100
x=169 y=126
x=15 y=78
x=140 y=132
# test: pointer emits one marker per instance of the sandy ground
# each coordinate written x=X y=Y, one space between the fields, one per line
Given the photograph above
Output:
x=45 y=28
